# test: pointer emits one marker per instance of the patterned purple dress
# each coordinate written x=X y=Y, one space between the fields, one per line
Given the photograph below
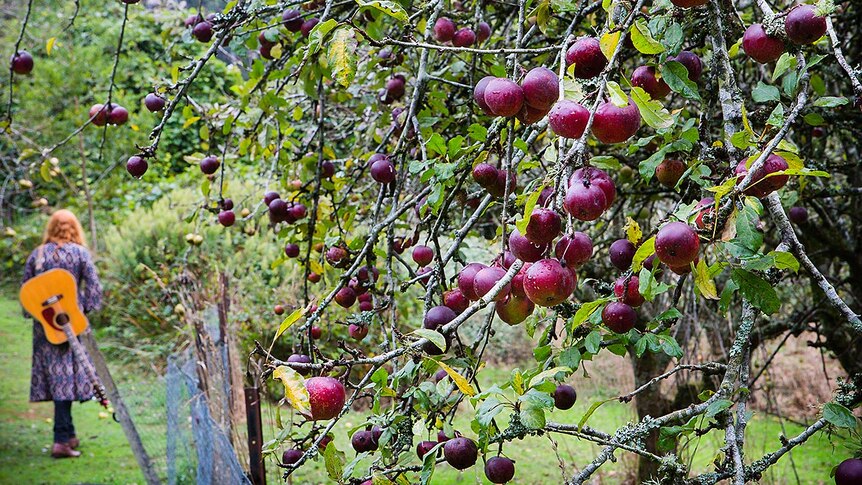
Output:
x=55 y=375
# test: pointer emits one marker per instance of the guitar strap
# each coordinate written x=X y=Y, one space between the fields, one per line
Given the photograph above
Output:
x=40 y=261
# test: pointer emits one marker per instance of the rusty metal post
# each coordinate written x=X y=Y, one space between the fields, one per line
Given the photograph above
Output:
x=255 y=436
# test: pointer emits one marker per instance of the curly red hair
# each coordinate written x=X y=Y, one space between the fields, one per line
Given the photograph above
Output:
x=63 y=227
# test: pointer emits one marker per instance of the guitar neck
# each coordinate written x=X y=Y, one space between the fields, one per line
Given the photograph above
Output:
x=81 y=357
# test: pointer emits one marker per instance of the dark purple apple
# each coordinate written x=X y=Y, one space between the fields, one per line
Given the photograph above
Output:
x=622 y=252
x=645 y=78
x=504 y=97
x=203 y=31
x=613 y=124
x=541 y=88
x=209 y=164
x=676 y=244
x=499 y=469
x=619 y=317
x=226 y=218
x=136 y=166
x=568 y=119
x=565 y=397
x=464 y=37
x=803 y=25
x=525 y=250
x=460 y=452
x=444 y=29
x=760 y=185
x=587 y=56
x=692 y=63
x=486 y=279
x=575 y=249
x=544 y=226
x=761 y=47
x=292 y=20
x=22 y=63
x=549 y=283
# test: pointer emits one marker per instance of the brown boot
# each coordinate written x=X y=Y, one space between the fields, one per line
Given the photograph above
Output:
x=63 y=450
x=74 y=443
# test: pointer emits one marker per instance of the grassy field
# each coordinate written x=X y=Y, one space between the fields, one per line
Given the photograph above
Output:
x=25 y=434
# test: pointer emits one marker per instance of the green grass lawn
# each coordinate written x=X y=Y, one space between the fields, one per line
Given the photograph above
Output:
x=25 y=434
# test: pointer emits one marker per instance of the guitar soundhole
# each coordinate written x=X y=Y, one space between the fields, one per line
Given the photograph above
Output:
x=62 y=318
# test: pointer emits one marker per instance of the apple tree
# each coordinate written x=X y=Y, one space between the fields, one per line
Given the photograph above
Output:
x=589 y=170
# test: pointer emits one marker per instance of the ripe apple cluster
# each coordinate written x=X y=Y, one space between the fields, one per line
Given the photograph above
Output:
x=802 y=26
x=445 y=30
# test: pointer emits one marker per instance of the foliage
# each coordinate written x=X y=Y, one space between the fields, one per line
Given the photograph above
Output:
x=310 y=109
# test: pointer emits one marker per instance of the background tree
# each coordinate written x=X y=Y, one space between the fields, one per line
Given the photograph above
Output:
x=673 y=165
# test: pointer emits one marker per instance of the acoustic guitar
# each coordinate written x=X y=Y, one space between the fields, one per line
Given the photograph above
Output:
x=52 y=298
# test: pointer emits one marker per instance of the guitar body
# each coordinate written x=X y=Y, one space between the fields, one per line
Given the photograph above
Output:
x=52 y=297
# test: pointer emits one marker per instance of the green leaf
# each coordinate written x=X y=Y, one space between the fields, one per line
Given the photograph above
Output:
x=785 y=63
x=839 y=415
x=529 y=205
x=532 y=417
x=571 y=358
x=392 y=9
x=645 y=250
x=618 y=96
x=433 y=336
x=747 y=234
x=785 y=260
x=436 y=144
x=763 y=93
x=676 y=76
x=429 y=462
x=334 y=461
x=541 y=376
x=652 y=112
x=318 y=33
x=717 y=406
x=643 y=40
x=830 y=101
x=486 y=411
x=593 y=342
x=289 y=321
x=758 y=291
x=341 y=55
x=586 y=310
x=814 y=119
x=590 y=411
x=776 y=118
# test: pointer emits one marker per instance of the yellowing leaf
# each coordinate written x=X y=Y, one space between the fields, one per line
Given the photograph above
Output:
x=315 y=266
x=608 y=43
x=458 y=379
x=704 y=282
x=191 y=121
x=633 y=231
x=294 y=389
x=341 y=55
x=50 y=45
x=290 y=320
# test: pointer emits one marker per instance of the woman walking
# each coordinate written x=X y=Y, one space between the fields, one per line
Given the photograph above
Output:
x=56 y=376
